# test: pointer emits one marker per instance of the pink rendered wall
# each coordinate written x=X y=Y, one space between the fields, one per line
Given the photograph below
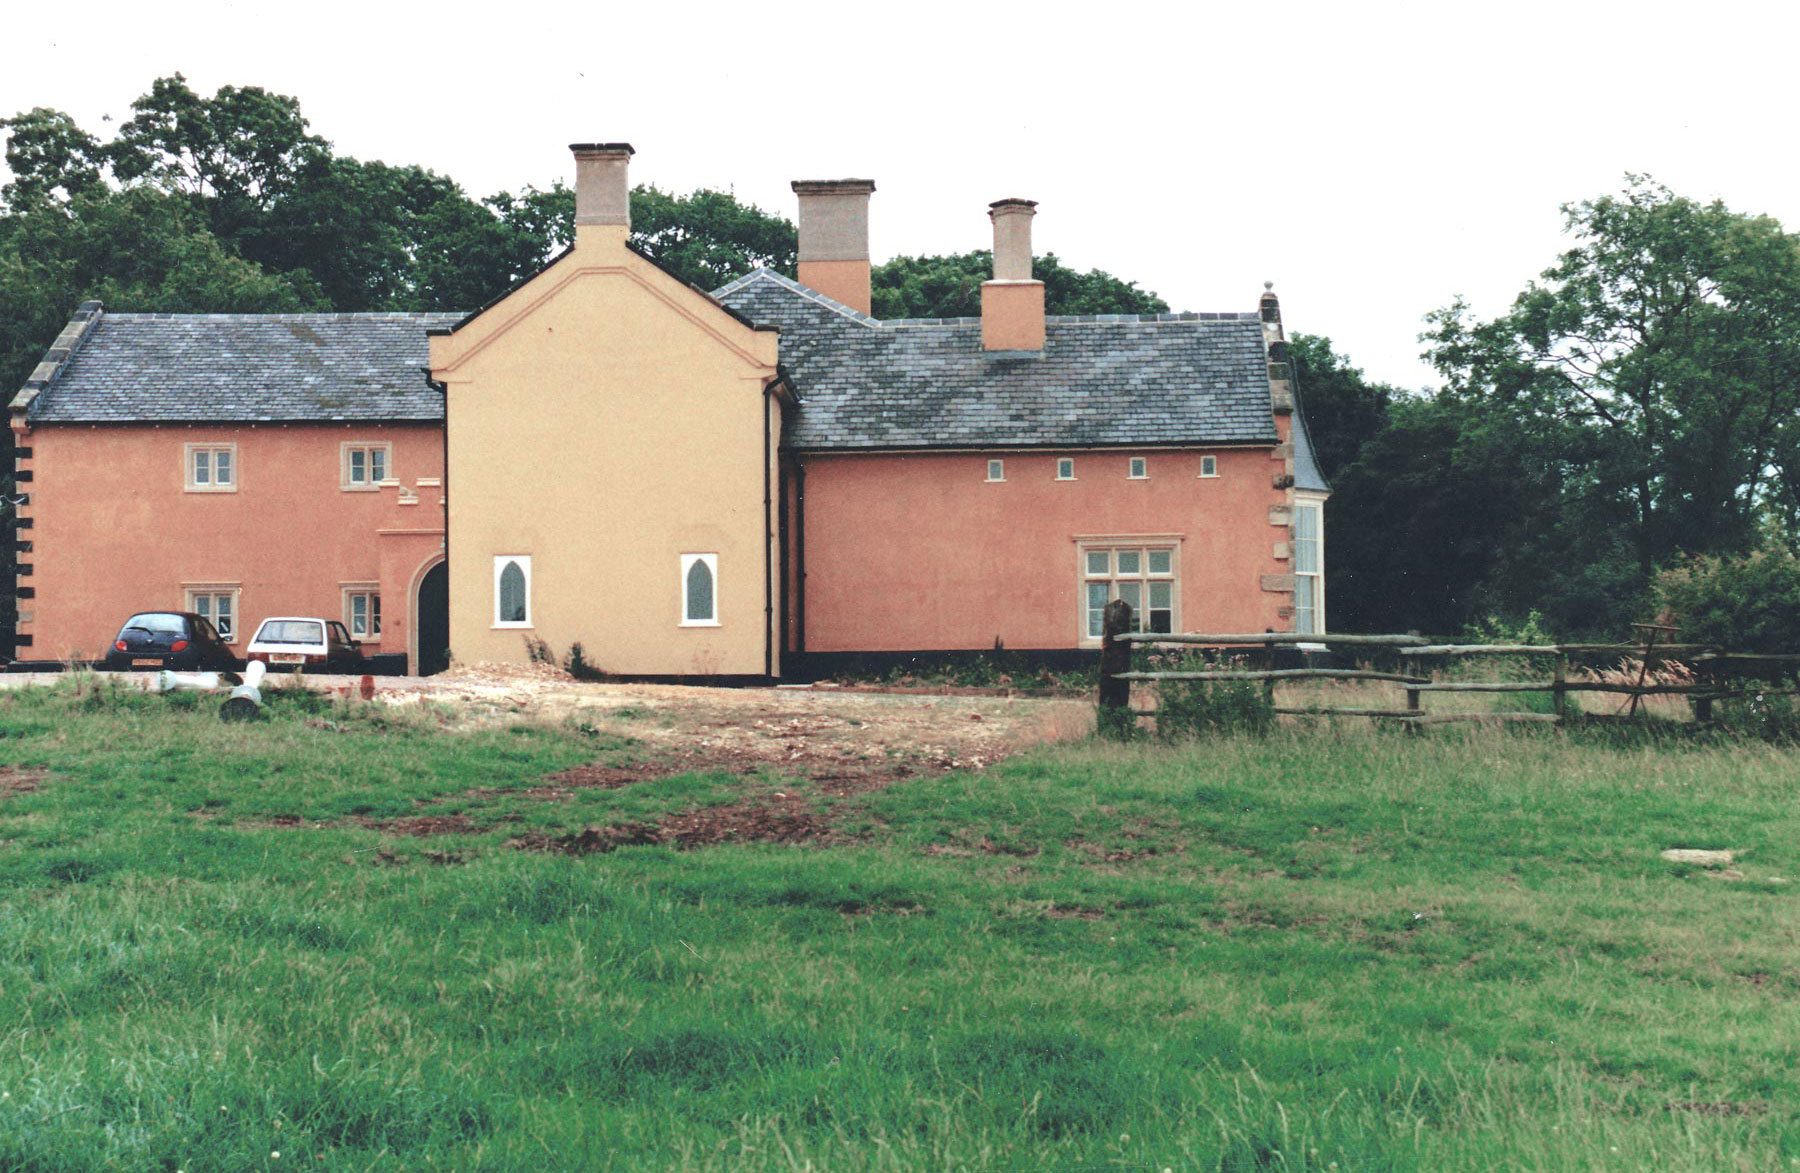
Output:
x=920 y=552
x=113 y=530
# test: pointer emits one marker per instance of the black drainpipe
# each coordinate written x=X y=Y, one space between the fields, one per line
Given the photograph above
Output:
x=799 y=557
x=412 y=603
x=768 y=543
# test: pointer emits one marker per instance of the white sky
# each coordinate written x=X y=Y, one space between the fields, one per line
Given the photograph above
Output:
x=1373 y=160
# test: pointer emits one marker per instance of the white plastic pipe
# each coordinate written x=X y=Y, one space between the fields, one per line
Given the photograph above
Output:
x=167 y=681
x=245 y=701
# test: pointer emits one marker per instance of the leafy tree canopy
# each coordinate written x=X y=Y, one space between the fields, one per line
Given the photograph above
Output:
x=950 y=287
x=50 y=158
x=708 y=237
x=1666 y=343
x=1343 y=409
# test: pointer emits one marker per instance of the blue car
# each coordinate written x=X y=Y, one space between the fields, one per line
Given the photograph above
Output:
x=178 y=640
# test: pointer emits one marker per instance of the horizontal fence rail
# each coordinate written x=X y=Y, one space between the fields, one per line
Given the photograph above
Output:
x=1701 y=663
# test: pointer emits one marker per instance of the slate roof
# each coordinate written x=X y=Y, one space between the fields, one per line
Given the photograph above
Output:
x=1307 y=473
x=239 y=367
x=1110 y=380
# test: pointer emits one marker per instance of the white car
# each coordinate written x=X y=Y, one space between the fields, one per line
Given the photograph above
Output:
x=305 y=642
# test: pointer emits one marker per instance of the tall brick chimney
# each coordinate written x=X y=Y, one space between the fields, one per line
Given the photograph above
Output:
x=1012 y=304
x=834 y=238
x=602 y=188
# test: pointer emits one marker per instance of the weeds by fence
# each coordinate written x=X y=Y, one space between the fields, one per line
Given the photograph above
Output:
x=1196 y=699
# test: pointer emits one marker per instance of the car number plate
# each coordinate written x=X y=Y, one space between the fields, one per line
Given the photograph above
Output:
x=286 y=658
x=157 y=660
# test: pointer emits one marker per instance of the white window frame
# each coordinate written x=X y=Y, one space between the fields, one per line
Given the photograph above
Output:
x=1142 y=545
x=1315 y=505
x=1138 y=468
x=212 y=484
x=369 y=483
x=500 y=564
x=212 y=592
x=1209 y=466
x=371 y=591
x=996 y=470
x=1067 y=462
x=711 y=562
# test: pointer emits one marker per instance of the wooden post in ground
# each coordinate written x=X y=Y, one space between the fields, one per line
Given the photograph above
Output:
x=1560 y=678
x=1115 y=658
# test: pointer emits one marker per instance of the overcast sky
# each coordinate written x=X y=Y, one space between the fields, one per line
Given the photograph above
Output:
x=1373 y=160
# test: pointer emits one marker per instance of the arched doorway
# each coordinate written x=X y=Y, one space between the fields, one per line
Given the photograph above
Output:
x=431 y=620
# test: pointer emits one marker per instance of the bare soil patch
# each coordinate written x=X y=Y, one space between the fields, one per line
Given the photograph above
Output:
x=831 y=735
x=770 y=821
x=844 y=743
x=424 y=826
x=1719 y=1108
x=20 y=780
x=1103 y=854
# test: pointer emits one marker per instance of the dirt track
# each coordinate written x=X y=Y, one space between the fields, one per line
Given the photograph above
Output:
x=844 y=740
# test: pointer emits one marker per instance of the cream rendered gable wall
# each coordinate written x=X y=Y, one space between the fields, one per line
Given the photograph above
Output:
x=603 y=420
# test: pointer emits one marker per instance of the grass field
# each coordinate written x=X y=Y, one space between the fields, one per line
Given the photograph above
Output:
x=245 y=947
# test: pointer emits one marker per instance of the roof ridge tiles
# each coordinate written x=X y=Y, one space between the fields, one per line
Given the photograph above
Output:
x=764 y=273
x=397 y=316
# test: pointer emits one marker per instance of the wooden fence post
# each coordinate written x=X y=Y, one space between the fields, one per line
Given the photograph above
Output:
x=1115 y=658
x=1559 y=676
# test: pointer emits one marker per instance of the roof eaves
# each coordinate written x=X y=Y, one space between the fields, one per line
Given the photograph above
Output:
x=846 y=447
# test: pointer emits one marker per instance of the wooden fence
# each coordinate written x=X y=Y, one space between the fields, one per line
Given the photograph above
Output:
x=1717 y=674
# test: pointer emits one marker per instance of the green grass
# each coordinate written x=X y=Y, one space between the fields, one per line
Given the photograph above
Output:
x=1343 y=949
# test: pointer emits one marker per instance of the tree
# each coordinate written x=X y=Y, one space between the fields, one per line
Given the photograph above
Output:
x=950 y=287
x=1343 y=409
x=708 y=238
x=137 y=249
x=1667 y=342
x=242 y=146
x=50 y=158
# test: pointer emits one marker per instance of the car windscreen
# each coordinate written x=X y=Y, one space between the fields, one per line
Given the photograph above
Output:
x=291 y=631
x=158 y=621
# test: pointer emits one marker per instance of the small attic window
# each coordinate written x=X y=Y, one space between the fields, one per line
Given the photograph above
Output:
x=1209 y=466
x=1065 y=468
x=1140 y=468
x=996 y=470
x=211 y=468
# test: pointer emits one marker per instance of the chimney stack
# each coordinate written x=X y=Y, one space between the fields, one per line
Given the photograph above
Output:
x=1012 y=304
x=834 y=238
x=602 y=188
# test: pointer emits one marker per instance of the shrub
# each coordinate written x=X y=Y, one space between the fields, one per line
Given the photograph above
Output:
x=1774 y=719
x=1116 y=723
x=580 y=667
x=1208 y=708
x=1749 y=603
x=1496 y=629
x=1212 y=708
